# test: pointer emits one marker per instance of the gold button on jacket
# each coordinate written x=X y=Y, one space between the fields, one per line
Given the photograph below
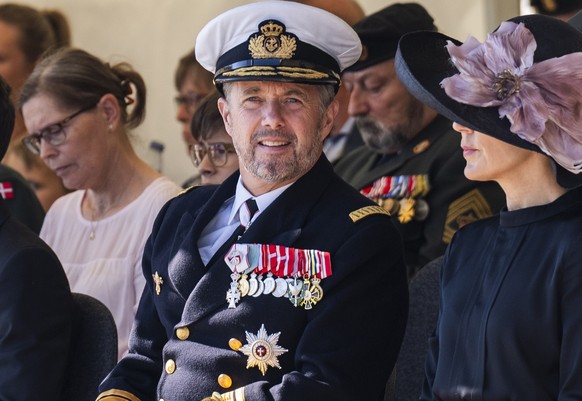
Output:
x=224 y=381
x=234 y=344
x=170 y=366
x=182 y=333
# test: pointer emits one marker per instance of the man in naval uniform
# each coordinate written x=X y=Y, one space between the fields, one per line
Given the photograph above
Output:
x=412 y=163
x=283 y=283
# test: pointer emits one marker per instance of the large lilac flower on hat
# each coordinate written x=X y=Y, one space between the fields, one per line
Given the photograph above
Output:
x=541 y=100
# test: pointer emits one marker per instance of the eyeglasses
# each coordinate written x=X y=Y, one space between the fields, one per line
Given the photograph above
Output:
x=217 y=153
x=54 y=134
x=190 y=100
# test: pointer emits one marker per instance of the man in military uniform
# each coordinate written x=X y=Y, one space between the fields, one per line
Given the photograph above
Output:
x=283 y=283
x=412 y=163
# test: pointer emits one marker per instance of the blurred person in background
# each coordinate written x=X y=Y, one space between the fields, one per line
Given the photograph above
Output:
x=25 y=34
x=36 y=317
x=411 y=164
x=79 y=111
x=47 y=186
x=193 y=83
x=212 y=151
x=344 y=135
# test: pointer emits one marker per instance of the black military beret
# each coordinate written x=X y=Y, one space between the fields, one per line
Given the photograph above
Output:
x=555 y=7
x=381 y=31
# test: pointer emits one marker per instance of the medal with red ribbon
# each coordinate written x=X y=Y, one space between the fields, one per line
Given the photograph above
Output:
x=298 y=273
x=401 y=195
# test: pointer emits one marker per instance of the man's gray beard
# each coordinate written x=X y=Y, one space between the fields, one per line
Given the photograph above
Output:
x=388 y=140
x=281 y=170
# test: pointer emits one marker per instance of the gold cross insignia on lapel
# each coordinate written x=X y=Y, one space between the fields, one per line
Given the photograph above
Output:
x=159 y=281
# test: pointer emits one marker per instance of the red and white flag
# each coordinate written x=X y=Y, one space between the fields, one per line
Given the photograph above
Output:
x=6 y=190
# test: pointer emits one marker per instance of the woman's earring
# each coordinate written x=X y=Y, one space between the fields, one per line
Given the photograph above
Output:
x=110 y=127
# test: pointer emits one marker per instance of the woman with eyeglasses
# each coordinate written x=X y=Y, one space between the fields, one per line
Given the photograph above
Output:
x=212 y=151
x=193 y=82
x=78 y=111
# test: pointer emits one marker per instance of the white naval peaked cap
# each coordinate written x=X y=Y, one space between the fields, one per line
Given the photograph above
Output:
x=277 y=41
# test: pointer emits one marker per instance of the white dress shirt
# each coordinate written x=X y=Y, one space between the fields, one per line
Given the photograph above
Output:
x=228 y=218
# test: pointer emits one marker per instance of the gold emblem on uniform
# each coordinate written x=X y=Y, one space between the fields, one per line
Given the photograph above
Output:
x=406 y=212
x=421 y=147
x=158 y=280
x=469 y=207
x=272 y=43
x=262 y=350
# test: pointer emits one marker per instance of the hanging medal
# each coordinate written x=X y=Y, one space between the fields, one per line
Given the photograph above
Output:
x=296 y=290
x=233 y=294
x=269 y=286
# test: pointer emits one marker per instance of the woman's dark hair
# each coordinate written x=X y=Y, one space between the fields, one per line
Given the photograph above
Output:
x=60 y=27
x=37 y=34
x=207 y=118
x=188 y=65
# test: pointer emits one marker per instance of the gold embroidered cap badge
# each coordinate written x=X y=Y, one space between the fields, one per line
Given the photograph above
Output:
x=272 y=42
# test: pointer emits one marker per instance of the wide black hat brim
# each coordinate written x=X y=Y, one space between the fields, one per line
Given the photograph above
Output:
x=422 y=62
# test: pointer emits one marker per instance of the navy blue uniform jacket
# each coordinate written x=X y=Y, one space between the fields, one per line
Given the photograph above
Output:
x=342 y=349
x=510 y=323
x=36 y=315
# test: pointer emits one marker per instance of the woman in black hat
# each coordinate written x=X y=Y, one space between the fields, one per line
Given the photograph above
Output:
x=510 y=322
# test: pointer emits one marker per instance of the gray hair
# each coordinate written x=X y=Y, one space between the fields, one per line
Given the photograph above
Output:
x=326 y=94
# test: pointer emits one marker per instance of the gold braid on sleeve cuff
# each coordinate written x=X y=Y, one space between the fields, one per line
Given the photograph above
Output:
x=116 y=395
x=236 y=395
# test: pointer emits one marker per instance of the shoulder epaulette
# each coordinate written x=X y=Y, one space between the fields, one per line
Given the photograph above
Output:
x=116 y=395
x=367 y=211
x=185 y=191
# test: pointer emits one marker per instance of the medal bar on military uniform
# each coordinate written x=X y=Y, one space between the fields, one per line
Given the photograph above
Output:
x=402 y=195
x=298 y=273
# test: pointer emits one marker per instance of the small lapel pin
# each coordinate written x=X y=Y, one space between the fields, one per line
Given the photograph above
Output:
x=159 y=281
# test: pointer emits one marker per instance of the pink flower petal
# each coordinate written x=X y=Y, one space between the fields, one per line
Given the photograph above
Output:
x=542 y=101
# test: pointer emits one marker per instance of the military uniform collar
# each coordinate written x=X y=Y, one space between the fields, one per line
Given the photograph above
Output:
x=263 y=201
